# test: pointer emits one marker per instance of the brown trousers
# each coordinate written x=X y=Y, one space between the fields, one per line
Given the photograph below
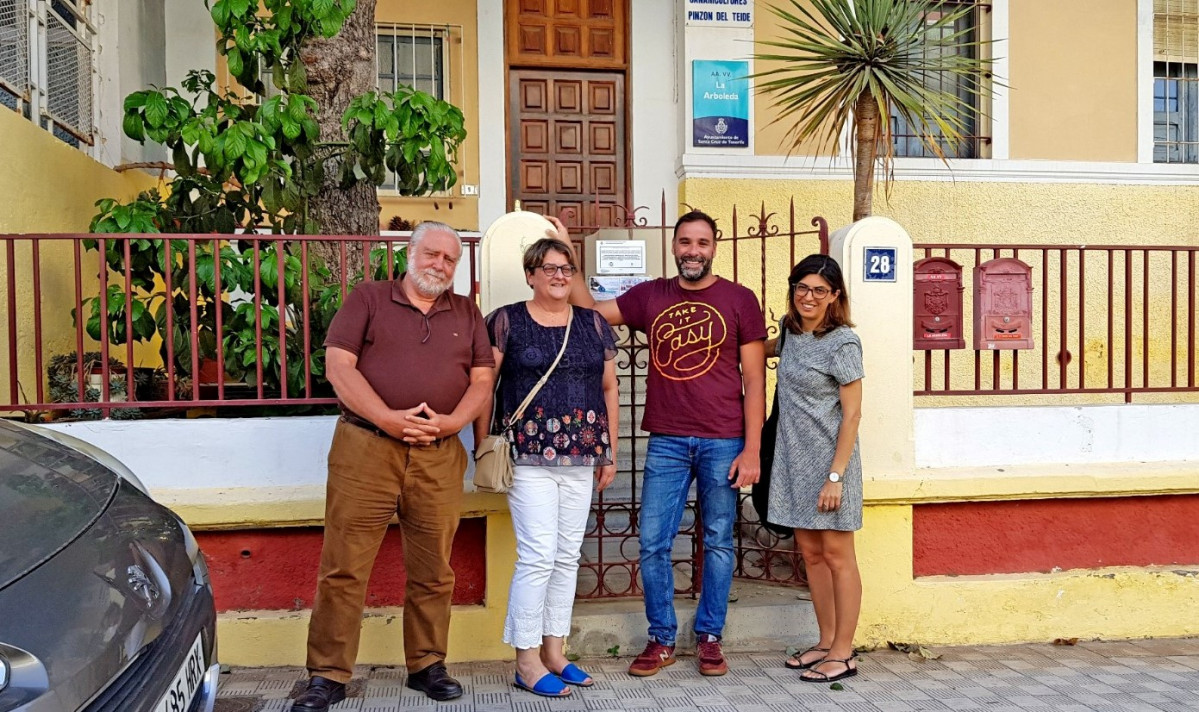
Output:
x=370 y=479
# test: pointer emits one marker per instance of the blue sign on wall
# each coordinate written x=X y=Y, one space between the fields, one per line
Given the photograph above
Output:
x=880 y=264
x=719 y=103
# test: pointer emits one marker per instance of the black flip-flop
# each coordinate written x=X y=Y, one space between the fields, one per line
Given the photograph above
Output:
x=825 y=677
x=798 y=658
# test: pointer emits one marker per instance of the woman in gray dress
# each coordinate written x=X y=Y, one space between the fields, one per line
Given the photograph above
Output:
x=817 y=482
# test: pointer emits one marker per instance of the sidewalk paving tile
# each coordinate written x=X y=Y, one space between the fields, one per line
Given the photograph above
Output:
x=1125 y=676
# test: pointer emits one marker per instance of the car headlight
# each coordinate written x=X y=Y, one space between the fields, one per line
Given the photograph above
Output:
x=3 y=672
x=199 y=565
x=85 y=448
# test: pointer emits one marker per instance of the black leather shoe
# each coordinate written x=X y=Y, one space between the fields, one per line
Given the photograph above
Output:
x=435 y=682
x=321 y=693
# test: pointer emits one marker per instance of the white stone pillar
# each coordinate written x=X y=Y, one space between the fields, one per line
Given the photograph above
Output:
x=875 y=255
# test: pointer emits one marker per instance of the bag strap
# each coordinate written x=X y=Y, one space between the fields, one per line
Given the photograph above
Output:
x=570 y=317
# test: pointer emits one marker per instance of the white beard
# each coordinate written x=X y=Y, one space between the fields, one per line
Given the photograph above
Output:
x=429 y=283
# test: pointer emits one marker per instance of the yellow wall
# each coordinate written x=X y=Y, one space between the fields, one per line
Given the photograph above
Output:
x=455 y=210
x=1073 y=79
x=995 y=213
x=1111 y=602
x=49 y=187
x=770 y=134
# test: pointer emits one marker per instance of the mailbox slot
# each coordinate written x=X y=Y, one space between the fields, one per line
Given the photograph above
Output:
x=938 y=310
x=1003 y=305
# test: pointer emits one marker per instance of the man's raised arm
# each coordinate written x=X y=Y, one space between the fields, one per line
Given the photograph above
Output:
x=580 y=295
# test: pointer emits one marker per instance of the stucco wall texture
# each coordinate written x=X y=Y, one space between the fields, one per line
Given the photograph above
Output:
x=48 y=187
x=998 y=213
x=276 y=569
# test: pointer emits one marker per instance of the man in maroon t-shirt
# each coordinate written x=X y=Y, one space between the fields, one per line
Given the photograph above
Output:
x=411 y=363
x=705 y=405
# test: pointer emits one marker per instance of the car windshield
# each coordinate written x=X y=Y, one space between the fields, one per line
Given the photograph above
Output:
x=48 y=495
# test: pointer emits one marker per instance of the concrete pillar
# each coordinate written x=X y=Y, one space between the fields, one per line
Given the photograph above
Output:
x=875 y=255
x=502 y=274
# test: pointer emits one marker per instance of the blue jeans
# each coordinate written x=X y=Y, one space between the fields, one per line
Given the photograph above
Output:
x=671 y=463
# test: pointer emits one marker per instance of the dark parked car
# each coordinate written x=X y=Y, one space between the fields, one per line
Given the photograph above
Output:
x=105 y=602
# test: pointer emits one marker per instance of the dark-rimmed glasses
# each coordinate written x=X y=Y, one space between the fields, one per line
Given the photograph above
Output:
x=802 y=290
x=551 y=270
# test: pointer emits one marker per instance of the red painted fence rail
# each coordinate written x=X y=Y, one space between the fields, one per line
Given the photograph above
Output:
x=254 y=304
x=1107 y=319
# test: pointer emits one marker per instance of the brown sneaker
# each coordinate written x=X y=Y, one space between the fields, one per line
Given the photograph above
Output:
x=655 y=657
x=711 y=657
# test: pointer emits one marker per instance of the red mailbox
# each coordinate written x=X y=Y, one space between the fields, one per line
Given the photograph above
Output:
x=1003 y=305
x=938 y=308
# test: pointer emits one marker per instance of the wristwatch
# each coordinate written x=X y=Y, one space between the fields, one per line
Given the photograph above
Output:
x=834 y=477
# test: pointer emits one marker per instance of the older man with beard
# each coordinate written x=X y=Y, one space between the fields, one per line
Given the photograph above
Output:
x=412 y=365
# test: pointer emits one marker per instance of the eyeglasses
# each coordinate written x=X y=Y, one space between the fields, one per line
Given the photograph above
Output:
x=565 y=270
x=820 y=292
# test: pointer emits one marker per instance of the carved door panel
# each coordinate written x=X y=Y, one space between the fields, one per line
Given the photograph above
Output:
x=567 y=33
x=567 y=143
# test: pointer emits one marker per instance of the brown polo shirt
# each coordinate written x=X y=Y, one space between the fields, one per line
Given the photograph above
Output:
x=408 y=357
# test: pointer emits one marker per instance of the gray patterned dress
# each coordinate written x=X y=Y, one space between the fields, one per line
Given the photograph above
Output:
x=811 y=372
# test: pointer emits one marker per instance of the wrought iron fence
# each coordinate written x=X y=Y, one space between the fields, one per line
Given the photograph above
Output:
x=759 y=253
x=1108 y=319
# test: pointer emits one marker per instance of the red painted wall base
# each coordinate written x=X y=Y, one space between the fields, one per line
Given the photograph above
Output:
x=1041 y=535
x=276 y=569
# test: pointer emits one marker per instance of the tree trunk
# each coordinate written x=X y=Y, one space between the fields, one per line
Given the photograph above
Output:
x=866 y=118
x=339 y=69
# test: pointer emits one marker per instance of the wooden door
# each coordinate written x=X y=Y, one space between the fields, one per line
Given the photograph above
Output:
x=567 y=33
x=567 y=143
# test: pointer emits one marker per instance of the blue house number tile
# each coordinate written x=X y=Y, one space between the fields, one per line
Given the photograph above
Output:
x=880 y=264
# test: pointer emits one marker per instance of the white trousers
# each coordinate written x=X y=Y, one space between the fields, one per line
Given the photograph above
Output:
x=549 y=507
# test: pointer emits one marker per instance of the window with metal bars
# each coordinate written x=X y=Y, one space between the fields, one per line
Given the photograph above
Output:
x=904 y=138
x=415 y=56
x=412 y=57
x=47 y=75
x=1176 y=81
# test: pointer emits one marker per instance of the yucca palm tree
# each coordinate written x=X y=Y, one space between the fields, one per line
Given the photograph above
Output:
x=851 y=62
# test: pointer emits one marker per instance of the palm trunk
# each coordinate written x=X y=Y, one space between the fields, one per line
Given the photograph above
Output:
x=866 y=118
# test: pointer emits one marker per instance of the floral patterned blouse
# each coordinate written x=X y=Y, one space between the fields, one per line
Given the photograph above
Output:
x=566 y=425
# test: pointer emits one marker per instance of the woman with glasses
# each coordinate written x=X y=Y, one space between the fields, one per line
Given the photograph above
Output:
x=565 y=436
x=816 y=485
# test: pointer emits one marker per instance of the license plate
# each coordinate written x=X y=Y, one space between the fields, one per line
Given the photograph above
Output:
x=183 y=688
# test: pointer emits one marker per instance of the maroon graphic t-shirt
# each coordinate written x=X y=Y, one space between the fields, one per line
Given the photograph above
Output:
x=694 y=384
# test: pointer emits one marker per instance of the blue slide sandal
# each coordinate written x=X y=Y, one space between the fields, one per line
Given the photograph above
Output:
x=574 y=675
x=548 y=686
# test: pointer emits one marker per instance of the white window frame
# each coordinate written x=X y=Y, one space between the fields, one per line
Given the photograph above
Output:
x=1147 y=61
x=33 y=94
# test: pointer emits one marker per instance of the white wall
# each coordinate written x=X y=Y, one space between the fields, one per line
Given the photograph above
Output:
x=213 y=453
x=493 y=152
x=216 y=453
x=976 y=437
x=193 y=39
x=655 y=102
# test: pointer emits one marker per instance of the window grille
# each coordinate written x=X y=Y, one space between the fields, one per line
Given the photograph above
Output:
x=417 y=56
x=1176 y=81
x=412 y=55
x=48 y=74
x=14 y=53
x=904 y=137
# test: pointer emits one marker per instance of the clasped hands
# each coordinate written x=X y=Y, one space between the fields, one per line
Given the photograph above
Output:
x=420 y=425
